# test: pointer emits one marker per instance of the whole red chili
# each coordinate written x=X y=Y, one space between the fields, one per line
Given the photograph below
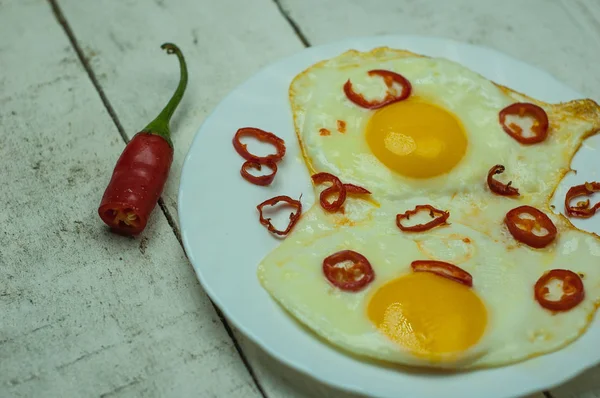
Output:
x=143 y=167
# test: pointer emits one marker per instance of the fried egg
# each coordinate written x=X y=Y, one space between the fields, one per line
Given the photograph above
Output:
x=439 y=140
x=435 y=147
x=423 y=319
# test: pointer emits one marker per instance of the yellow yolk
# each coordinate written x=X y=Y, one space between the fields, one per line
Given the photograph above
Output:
x=428 y=314
x=416 y=139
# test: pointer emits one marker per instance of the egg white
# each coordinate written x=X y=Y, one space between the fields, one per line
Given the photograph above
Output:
x=318 y=102
x=504 y=271
x=517 y=327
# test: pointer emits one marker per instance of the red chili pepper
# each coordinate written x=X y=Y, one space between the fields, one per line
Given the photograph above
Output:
x=142 y=169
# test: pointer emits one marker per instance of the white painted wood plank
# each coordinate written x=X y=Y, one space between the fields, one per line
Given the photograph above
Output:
x=82 y=311
x=587 y=385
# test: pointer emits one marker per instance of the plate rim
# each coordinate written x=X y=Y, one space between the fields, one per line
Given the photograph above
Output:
x=535 y=385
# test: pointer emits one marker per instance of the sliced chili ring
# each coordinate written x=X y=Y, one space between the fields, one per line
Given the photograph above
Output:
x=581 y=209
x=336 y=187
x=572 y=286
x=496 y=186
x=438 y=216
x=444 y=269
x=521 y=109
x=522 y=228
x=389 y=78
x=262 y=136
x=353 y=278
x=355 y=189
x=294 y=217
x=263 y=180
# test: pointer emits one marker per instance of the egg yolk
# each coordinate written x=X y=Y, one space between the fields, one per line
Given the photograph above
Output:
x=416 y=139
x=428 y=314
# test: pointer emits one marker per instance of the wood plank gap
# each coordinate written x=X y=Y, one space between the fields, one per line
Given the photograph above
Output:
x=58 y=14
x=172 y=223
x=292 y=23
x=86 y=65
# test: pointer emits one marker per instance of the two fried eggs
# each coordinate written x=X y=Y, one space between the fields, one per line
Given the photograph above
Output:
x=433 y=148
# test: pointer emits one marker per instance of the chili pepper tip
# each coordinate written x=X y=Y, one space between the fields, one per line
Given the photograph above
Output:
x=170 y=47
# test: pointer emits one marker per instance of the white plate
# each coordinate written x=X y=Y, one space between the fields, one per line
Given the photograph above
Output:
x=225 y=242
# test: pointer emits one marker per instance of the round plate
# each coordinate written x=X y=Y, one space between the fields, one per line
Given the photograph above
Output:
x=225 y=242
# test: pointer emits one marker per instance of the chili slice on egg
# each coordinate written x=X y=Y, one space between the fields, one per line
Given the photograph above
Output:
x=444 y=269
x=337 y=187
x=496 y=186
x=523 y=228
x=347 y=277
x=582 y=209
x=517 y=112
x=572 y=290
x=355 y=189
x=294 y=217
x=439 y=217
x=392 y=95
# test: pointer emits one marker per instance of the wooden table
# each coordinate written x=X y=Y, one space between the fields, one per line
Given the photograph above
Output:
x=86 y=313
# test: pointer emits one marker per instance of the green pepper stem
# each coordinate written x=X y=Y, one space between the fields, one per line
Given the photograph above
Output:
x=160 y=125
